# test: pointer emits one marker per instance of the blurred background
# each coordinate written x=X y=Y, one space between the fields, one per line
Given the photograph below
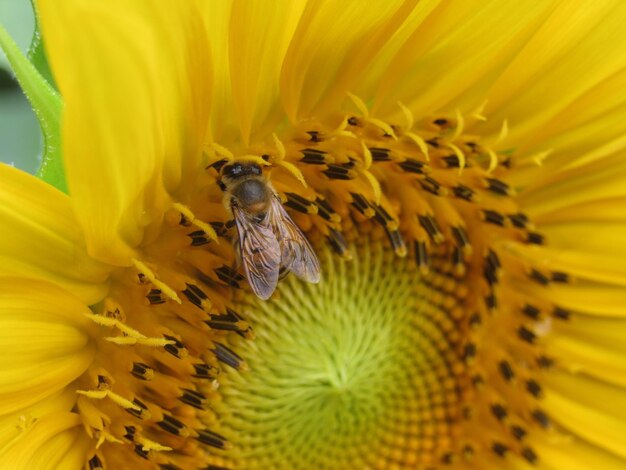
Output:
x=20 y=139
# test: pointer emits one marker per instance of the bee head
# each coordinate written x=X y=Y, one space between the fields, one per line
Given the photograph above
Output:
x=239 y=170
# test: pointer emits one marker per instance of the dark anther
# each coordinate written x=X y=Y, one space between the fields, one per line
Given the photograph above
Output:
x=381 y=215
x=215 y=467
x=211 y=438
x=558 y=276
x=518 y=432
x=230 y=321
x=219 y=227
x=490 y=273
x=530 y=455
x=142 y=371
x=561 y=313
x=463 y=192
x=95 y=463
x=491 y=302
x=430 y=185
x=447 y=458
x=526 y=334
x=171 y=425
x=337 y=241
x=396 y=240
x=360 y=203
x=229 y=276
x=184 y=221
x=519 y=220
x=353 y=121
x=227 y=356
x=421 y=254
x=475 y=319
x=324 y=210
x=195 y=295
x=155 y=297
x=297 y=202
x=499 y=411
x=478 y=380
x=493 y=217
x=198 y=238
x=451 y=161
x=205 y=371
x=168 y=466
x=315 y=136
x=431 y=227
x=460 y=236
x=433 y=142
x=140 y=452
x=175 y=348
x=193 y=398
x=336 y=172
x=130 y=433
x=497 y=186
x=137 y=413
x=541 y=418
x=545 y=362
x=539 y=277
x=533 y=388
x=492 y=259
x=313 y=157
x=103 y=382
x=469 y=351
x=531 y=311
x=380 y=154
x=535 y=238
x=440 y=121
x=499 y=448
x=411 y=165
x=457 y=256
x=506 y=370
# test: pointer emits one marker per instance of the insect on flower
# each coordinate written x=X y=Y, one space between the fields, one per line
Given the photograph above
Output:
x=269 y=242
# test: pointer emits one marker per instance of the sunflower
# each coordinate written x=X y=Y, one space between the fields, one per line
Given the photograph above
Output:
x=458 y=168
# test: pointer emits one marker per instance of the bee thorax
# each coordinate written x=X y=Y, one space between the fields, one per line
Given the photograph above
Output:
x=252 y=194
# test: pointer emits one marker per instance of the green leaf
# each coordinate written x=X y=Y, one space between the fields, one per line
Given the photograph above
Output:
x=47 y=105
x=36 y=51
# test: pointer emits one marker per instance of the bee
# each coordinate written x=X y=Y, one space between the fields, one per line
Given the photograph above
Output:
x=269 y=242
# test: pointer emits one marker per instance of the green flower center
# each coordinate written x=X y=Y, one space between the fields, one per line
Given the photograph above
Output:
x=351 y=373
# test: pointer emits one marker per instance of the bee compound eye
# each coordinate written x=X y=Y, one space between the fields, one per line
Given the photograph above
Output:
x=256 y=170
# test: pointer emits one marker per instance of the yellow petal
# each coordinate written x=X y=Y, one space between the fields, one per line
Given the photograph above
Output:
x=577 y=48
x=223 y=126
x=44 y=342
x=53 y=442
x=452 y=58
x=12 y=424
x=605 y=265
x=604 y=429
x=135 y=83
x=325 y=37
x=586 y=297
x=41 y=239
x=568 y=452
x=557 y=191
x=259 y=35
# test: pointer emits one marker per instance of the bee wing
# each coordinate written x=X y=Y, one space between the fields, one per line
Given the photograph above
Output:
x=296 y=253
x=260 y=253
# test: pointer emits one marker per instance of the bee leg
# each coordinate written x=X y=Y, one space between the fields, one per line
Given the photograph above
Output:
x=282 y=273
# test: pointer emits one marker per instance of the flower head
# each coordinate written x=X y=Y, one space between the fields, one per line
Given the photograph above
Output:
x=455 y=166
